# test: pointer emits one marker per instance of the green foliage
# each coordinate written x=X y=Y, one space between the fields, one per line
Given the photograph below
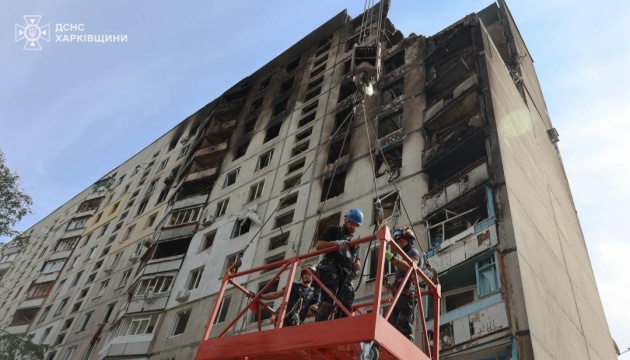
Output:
x=14 y=347
x=14 y=202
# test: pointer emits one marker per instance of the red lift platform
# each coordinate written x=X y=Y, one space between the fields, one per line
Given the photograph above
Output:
x=345 y=338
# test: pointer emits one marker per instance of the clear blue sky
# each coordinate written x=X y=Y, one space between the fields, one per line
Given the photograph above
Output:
x=187 y=53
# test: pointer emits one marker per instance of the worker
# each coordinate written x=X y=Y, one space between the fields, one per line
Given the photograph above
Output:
x=340 y=267
x=402 y=317
x=302 y=298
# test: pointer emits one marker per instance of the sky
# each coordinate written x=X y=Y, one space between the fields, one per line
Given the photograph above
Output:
x=71 y=112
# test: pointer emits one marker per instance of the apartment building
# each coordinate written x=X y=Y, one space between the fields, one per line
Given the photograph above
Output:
x=456 y=140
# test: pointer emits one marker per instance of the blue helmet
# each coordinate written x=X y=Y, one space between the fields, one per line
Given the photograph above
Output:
x=354 y=215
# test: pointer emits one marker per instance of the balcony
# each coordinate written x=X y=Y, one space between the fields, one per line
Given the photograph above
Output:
x=450 y=73
x=454 y=106
x=451 y=189
x=210 y=155
x=220 y=131
x=136 y=345
x=4 y=266
x=471 y=242
x=31 y=303
x=197 y=175
x=452 y=140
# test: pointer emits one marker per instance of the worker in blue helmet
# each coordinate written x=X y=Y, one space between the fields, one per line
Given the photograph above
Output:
x=338 y=268
x=402 y=317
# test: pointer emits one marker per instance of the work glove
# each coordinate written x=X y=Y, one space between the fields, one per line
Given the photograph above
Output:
x=341 y=243
x=389 y=256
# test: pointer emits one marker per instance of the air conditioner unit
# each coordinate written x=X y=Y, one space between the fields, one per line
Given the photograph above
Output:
x=149 y=296
x=183 y=295
x=148 y=243
x=134 y=258
x=207 y=220
x=109 y=269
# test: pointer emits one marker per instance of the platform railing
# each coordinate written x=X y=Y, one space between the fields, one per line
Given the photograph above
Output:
x=423 y=284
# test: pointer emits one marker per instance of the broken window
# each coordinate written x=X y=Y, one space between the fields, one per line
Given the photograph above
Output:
x=389 y=124
x=343 y=118
x=24 y=316
x=391 y=163
x=292 y=182
x=315 y=83
x=264 y=160
x=318 y=71
x=320 y=61
x=333 y=186
x=256 y=105
x=293 y=65
x=350 y=42
x=231 y=177
x=249 y=126
x=300 y=148
x=284 y=219
x=288 y=200
x=310 y=107
x=240 y=150
x=345 y=90
x=347 y=66
x=394 y=62
x=389 y=203
x=312 y=94
x=296 y=165
x=181 y=321
x=338 y=149
x=322 y=49
x=273 y=131
x=170 y=248
x=278 y=241
x=307 y=119
x=208 y=240
x=241 y=226
x=325 y=223
x=223 y=309
x=303 y=135
x=286 y=85
x=393 y=91
x=280 y=107
x=264 y=83
x=255 y=191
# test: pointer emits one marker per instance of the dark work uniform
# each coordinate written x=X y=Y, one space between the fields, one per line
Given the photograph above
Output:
x=403 y=315
x=334 y=271
x=300 y=300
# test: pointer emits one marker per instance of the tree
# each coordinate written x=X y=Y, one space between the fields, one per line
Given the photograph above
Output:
x=20 y=347
x=14 y=202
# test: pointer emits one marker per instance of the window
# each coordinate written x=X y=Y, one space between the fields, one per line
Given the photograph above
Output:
x=325 y=223
x=142 y=207
x=273 y=131
x=221 y=207
x=91 y=278
x=296 y=165
x=183 y=151
x=231 y=177
x=338 y=149
x=241 y=226
x=129 y=232
x=42 y=317
x=83 y=293
x=249 y=126
x=264 y=83
x=312 y=94
x=458 y=298
x=333 y=186
x=255 y=191
x=345 y=90
x=223 y=309
x=318 y=71
x=103 y=230
x=320 y=61
x=76 y=307
x=300 y=148
x=66 y=244
x=108 y=312
x=162 y=165
x=389 y=124
x=101 y=290
x=116 y=259
x=346 y=67
x=303 y=135
x=293 y=65
x=273 y=259
x=292 y=182
x=92 y=252
x=264 y=160
x=288 y=201
x=180 y=322
x=38 y=291
x=61 y=306
x=117 y=227
x=284 y=219
x=139 y=325
x=76 y=279
x=74 y=262
x=69 y=353
x=67 y=323
x=312 y=85
x=184 y=216
x=286 y=85
x=77 y=223
x=86 y=321
x=152 y=185
x=278 y=241
x=280 y=107
x=194 y=278
x=157 y=285
x=310 y=107
x=53 y=266
x=124 y=278
x=394 y=62
x=256 y=105
x=105 y=251
x=389 y=266
x=487 y=281
x=150 y=221
x=342 y=119
x=208 y=240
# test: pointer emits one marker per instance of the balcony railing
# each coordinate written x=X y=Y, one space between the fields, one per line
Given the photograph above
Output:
x=201 y=174
x=448 y=141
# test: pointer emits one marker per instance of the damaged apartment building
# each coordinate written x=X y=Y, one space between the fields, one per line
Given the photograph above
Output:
x=456 y=139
